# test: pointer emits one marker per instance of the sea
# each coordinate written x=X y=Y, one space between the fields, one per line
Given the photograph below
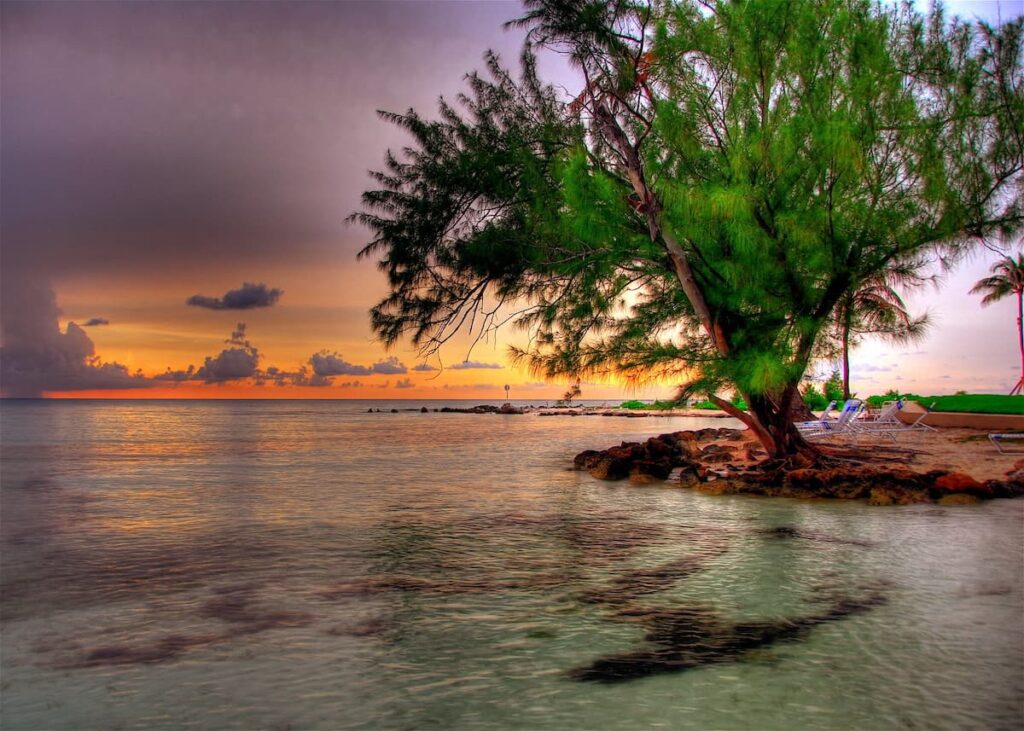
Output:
x=293 y=565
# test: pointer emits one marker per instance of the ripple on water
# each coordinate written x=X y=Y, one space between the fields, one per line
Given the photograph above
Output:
x=235 y=566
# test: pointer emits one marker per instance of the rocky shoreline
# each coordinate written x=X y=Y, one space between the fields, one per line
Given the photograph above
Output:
x=563 y=411
x=728 y=462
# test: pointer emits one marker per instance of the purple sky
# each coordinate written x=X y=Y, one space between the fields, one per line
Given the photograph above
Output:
x=153 y=153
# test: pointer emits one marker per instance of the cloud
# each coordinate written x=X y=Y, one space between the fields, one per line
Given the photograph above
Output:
x=179 y=376
x=234 y=363
x=328 y=364
x=870 y=368
x=472 y=387
x=36 y=356
x=246 y=297
x=472 y=364
x=390 y=367
x=94 y=321
x=424 y=367
x=405 y=383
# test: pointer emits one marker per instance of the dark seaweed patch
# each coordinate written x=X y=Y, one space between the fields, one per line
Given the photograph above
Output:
x=162 y=650
x=687 y=638
x=641 y=582
x=786 y=531
x=371 y=627
x=235 y=606
x=397 y=583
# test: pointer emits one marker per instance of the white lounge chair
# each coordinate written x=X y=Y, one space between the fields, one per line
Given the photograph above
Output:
x=816 y=424
x=997 y=438
x=841 y=426
x=887 y=425
x=886 y=417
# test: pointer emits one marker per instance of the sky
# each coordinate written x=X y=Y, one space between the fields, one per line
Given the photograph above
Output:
x=174 y=179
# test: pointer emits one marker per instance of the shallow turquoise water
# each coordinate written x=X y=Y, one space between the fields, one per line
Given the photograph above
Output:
x=306 y=565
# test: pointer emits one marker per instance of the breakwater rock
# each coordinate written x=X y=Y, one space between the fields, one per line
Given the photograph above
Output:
x=728 y=462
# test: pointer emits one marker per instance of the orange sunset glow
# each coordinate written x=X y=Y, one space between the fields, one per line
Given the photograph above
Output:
x=147 y=166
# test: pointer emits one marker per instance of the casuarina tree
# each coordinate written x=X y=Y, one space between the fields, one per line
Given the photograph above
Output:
x=727 y=173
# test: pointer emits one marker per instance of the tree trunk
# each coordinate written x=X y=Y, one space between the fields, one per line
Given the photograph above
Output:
x=1019 y=388
x=771 y=422
x=846 y=361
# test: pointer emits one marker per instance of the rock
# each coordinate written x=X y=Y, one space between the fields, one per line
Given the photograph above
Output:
x=658 y=448
x=423 y=410
x=369 y=411
x=959 y=498
x=509 y=409
x=610 y=468
x=394 y=411
x=957 y=482
x=717 y=459
x=755 y=453
x=586 y=459
x=896 y=496
x=689 y=477
x=639 y=478
x=1006 y=488
x=658 y=469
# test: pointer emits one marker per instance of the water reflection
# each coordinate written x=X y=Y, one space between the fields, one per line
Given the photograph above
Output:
x=236 y=565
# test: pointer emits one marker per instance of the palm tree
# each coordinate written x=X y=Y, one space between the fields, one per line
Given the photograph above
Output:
x=876 y=308
x=1007 y=277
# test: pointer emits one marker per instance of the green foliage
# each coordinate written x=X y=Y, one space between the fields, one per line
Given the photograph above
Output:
x=876 y=402
x=973 y=403
x=1007 y=278
x=832 y=389
x=645 y=406
x=814 y=398
x=976 y=403
x=731 y=171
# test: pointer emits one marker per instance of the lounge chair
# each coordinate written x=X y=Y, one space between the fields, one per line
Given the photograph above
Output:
x=841 y=426
x=886 y=417
x=887 y=425
x=816 y=424
x=997 y=438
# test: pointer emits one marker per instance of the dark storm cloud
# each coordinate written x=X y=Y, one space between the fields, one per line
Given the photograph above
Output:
x=246 y=297
x=467 y=365
x=95 y=321
x=135 y=134
x=36 y=356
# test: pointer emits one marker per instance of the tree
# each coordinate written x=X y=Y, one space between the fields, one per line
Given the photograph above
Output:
x=1007 y=278
x=876 y=308
x=729 y=172
x=833 y=388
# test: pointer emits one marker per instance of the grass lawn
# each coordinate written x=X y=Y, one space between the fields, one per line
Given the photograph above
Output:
x=974 y=403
